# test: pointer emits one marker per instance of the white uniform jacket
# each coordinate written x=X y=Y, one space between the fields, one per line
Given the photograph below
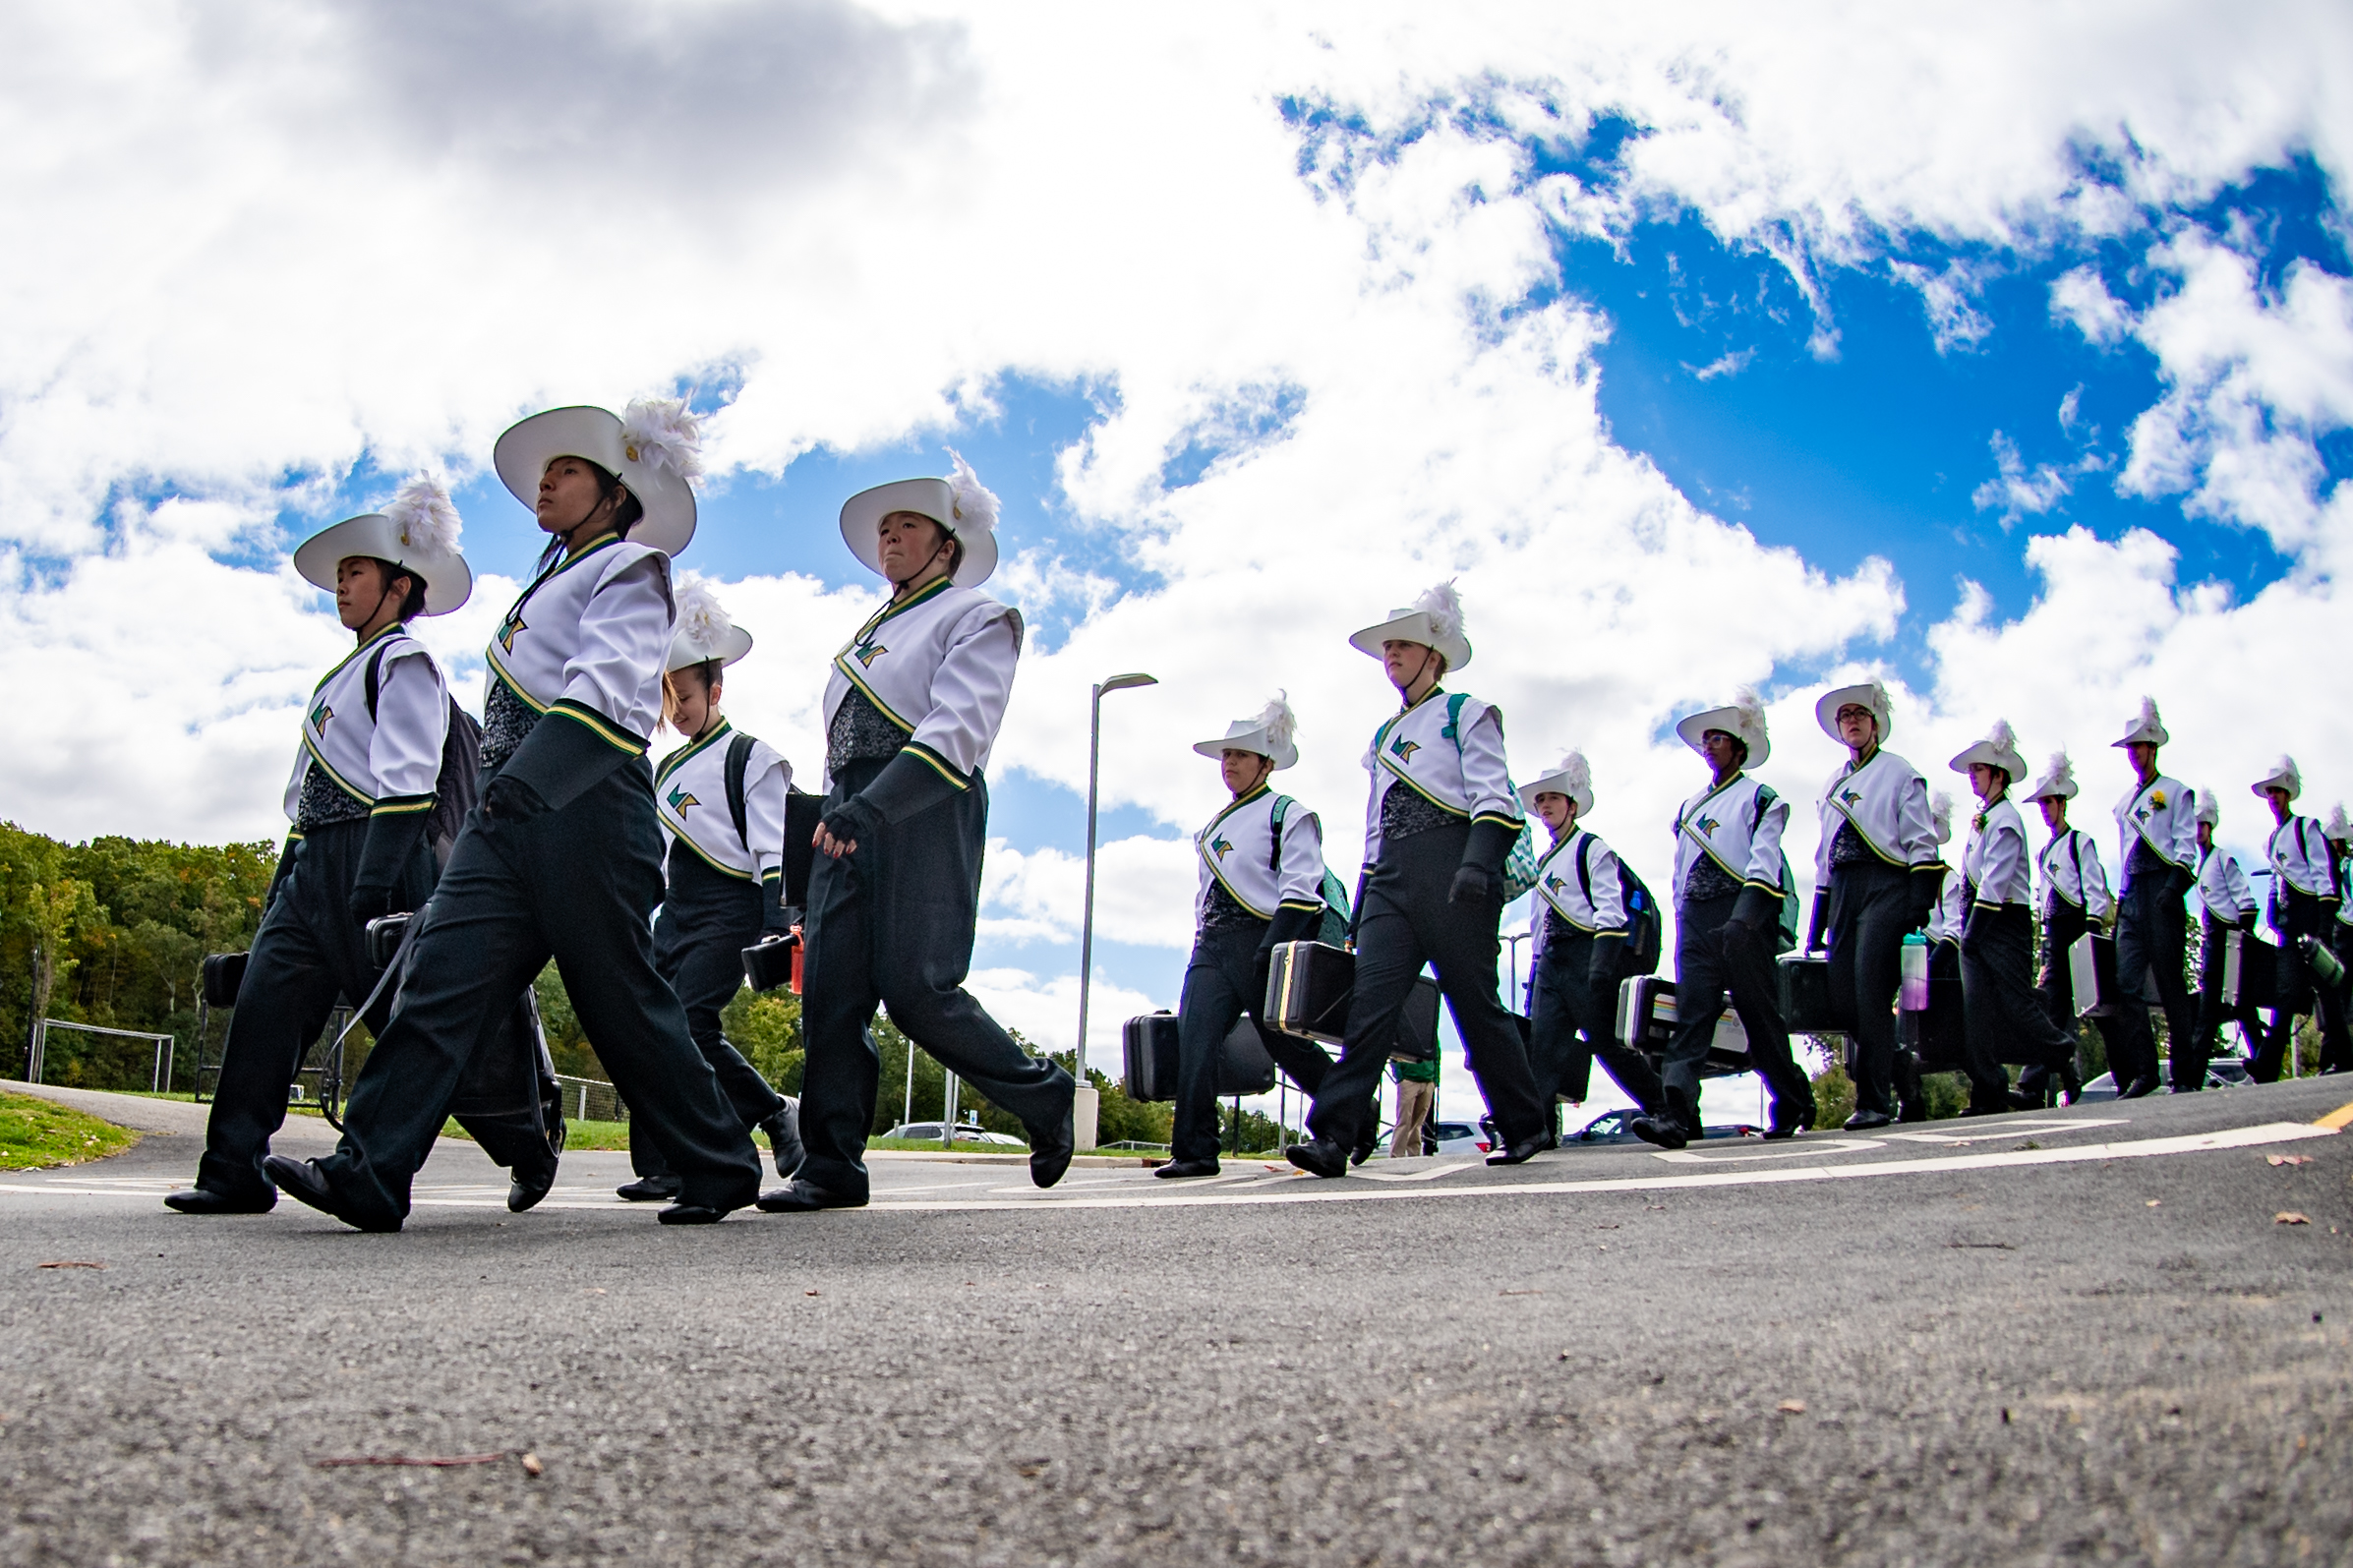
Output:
x=1449 y=750
x=388 y=759
x=1887 y=800
x=939 y=665
x=1995 y=864
x=1594 y=902
x=690 y=798
x=1237 y=849
x=2300 y=859
x=1952 y=909
x=588 y=639
x=2070 y=871
x=1737 y=825
x=2166 y=815
x=2222 y=890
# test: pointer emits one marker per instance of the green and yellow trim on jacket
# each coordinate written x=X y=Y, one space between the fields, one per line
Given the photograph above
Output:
x=1396 y=769
x=310 y=745
x=503 y=641
x=1683 y=823
x=671 y=765
x=1207 y=839
x=861 y=651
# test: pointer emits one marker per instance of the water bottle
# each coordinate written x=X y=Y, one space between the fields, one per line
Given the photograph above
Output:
x=1913 y=996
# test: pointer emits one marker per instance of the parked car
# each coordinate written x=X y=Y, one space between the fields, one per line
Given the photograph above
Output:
x=1617 y=1127
x=2222 y=1073
x=1462 y=1138
x=929 y=1133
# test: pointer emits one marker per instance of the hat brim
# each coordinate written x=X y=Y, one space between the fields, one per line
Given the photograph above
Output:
x=731 y=647
x=863 y=515
x=1253 y=740
x=2051 y=791
x=2009 y=762
x=448 y=580
x=1413 y=626
x=1726 y=720
x=2279 y=781
x=1556 y=784
x=2142 y=736
x=1826 y=711
x=524 y=453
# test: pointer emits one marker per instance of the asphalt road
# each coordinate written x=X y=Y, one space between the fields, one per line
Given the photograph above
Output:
x=2078 y=1336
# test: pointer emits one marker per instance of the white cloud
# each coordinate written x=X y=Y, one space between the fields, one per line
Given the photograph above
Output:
x=2015 y=491
x=2081 y=297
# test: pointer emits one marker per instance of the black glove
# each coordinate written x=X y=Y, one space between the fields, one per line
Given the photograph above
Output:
x=1609 y=955
x=1292 y=926
x=775 y=919
x=392 y=839
x=906 y=785
x=853 y=821
x=277 y=878
x=1754 y=911
x=1817 y=933
x=1356 y=910
x=510 y=799
x=1489 y=843
x=2183 y=882
x=1473 y=884
x=368 y=902
x=1927 y=884
x=560 y=760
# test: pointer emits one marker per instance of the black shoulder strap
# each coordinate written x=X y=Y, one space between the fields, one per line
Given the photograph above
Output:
x=1584 y=875
x=375 y=678
x=1764 y=800
x=1274 y=832
x=2075 y=858
x=739 y=759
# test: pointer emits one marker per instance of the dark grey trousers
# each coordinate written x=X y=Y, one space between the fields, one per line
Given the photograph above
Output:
x=707 y=919
x=578 y=885
x=892 y=924
x=1571 y=1022
x=2300 y=994
x=1406 y=923
x=2153 y=945
x=1871 y=910
x=1708 y=962
x=1223 y=980
x=2004 y=1018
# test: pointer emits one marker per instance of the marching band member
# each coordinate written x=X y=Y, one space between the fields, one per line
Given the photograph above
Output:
x=2226 y=904
x=911 y=712
x=1943 y=932
x=1997 y=931
x=2307 y=900
x=1727 y=891
x=1581 y=926
x=1876 y=877
x=2156 y=821
x=1261 y=883
x=1442 y=818
x=366 y=774
x=2074 y=899
x=721 y=801
x=563 y=858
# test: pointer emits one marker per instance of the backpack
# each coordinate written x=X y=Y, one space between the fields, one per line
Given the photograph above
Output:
x=460 y=782
x=1785 y=941
x=1333 y=932
x=1645 y=936
x=1519 y=865
x=739 y=760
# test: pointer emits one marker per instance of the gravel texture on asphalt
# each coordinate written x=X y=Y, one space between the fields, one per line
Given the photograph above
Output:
x=2120 y=1361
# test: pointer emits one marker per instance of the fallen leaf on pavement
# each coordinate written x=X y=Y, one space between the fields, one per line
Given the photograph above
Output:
x=69 y=1262
x=1792 y=1407
x=808 y=1293
x=2287 y=1159
x=2153 y=1202
x=2288 y=1216
x=440 y=1462
x=532 y=1467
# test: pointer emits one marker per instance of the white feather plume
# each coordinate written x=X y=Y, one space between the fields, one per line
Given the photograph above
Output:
x=2058 y=775
x=1443 y=606
x=2209 y=809
x=2001 y=737
x=702 y=621
x=2148 y=715
x=2285 y=768
x=1751 y=706
x=424 y=518
x=2338 y=828
x=1576 y=774
x=1281 y=725
x=665 y=434
x=974 y=503
x=1940 y=814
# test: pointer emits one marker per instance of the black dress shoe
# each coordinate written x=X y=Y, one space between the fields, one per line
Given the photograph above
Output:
x=691 y=1214
x=651 y=1190
x=1364 y=1149
x=804 y=1197
x=2139 y=1088
x=1049 y=1156
x=203 y=1200
x=1179 y=1169
x=1664 y=1131
x=304 y=1181
x=525 y=1188
x=1319 y=1157
x=784 y=1139
x=1520 y=1154
x=1985 y=1110
x=1869 y=1120
x=1774 y=1134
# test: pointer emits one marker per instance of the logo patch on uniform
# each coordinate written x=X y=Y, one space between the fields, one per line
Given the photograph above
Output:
x=1403 y=749
x=1851 y=797
x=1708 y=826
x=680 y=800
x=506 y=633
x=319 y=716
x=867 y=651
x=1553 y=884
x=1220 y=846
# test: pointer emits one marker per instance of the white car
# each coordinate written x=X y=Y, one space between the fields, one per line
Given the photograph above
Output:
x=1463 y=1138
x=929 y=1133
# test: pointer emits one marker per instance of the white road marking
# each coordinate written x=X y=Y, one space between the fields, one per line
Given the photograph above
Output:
x=1788 y=1151
x=1435 y=1172
x=2006 y=1130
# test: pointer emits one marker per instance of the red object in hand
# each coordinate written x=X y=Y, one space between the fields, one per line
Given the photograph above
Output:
x=798 y=947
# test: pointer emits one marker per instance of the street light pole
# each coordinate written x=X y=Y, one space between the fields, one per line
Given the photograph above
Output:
x=1094 y=753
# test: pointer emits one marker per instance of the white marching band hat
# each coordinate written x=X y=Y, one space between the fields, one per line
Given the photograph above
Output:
x=1272 y=734
x=2284 y=775
x=1434 y=620
x=2147 y=729
x=1871 y=694
x=1573 y=779
x=2338 y=828
x=1999 y=749
x=655 y=449
x=2057 y=782
x=959 y=503
x=2209 y=810
x=417 y=531
x=704 y=631
x=1743 y=718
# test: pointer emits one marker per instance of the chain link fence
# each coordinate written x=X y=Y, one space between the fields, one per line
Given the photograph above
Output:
x=591 y=1100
